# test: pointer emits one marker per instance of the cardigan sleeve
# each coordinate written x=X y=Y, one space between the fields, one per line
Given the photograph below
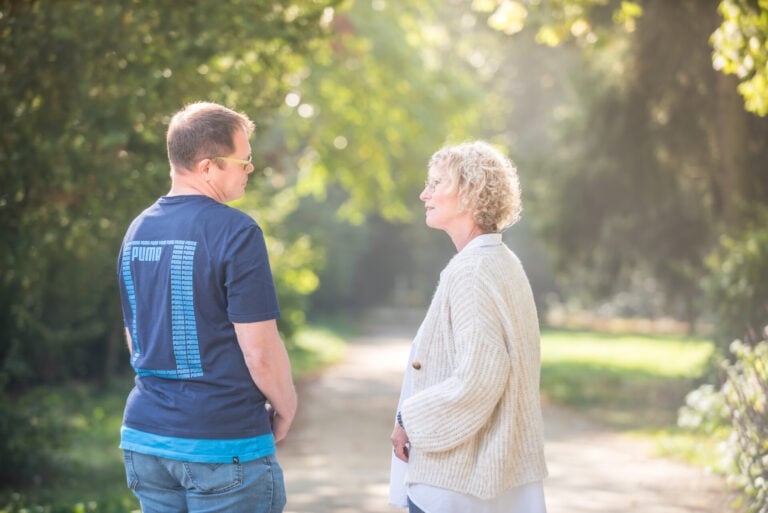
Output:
x=446 y=414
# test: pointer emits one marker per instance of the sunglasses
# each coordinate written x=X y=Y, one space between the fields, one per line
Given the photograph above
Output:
x=245 y=163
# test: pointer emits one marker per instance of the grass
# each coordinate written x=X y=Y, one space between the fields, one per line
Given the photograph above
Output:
x=634 y=383
x=660 y=356
x=319 y=345
x=626 y=381
x=87 y=474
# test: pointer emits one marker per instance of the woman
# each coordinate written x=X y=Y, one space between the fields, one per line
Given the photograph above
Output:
x=468 y=431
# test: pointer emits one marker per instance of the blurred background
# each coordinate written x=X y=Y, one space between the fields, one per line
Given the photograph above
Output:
x=639 y=129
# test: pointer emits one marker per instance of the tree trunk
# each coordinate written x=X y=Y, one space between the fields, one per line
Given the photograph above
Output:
x=731 y=136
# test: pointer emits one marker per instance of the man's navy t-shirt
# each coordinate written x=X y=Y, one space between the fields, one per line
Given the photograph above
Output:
x=188 y=269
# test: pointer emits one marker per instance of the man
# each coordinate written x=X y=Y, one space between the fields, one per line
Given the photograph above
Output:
x=213 y=390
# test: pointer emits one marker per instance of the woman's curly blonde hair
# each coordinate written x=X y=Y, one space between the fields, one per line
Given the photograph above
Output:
x=486 y=181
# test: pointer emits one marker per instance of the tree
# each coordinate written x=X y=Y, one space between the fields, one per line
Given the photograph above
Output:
x=354 y=136
x=87 y=88
x=741 y=48
x=740 y=44
x=656 y=156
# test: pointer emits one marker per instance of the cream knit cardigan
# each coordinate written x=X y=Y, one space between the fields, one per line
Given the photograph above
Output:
x=474 y=417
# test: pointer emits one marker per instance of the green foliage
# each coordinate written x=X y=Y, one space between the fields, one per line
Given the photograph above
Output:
x=18 y=503
x=741 y=48
x=368 y=110
x=557 y=21
x=648 y=160
x=739 y=407
x=84 y=471
x=740 y=44
x=31 y=435
x=86 y=89
x=358 y=126
x=737 y=286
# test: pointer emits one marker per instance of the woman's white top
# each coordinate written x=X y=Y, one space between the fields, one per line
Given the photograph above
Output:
x=527 y=498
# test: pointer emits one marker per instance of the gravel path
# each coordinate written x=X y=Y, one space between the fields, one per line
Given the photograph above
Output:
x=336 y=458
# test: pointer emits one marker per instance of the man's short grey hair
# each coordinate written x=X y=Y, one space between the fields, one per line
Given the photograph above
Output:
x=203 y=130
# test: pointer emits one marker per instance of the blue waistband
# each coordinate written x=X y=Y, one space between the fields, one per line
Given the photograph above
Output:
x=197 y=449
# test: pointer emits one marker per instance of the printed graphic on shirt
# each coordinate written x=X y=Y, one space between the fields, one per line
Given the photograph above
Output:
x=180 y=266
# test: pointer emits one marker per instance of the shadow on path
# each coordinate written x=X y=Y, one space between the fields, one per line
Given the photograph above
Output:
x=336 y=458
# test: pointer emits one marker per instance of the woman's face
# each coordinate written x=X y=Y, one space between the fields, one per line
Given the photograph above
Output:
x=441 y=201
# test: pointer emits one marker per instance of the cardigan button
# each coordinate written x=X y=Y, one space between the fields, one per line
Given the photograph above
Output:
x=416 y=365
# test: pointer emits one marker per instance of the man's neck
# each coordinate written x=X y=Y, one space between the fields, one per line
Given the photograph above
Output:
x=190 y=184
x=182 y=190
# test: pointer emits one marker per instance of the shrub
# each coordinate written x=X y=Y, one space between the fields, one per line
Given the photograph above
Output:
x=31 y=432
x=738 y=407
x=737 y=286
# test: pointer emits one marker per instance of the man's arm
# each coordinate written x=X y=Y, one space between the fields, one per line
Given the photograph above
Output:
x=270 y=369
x=129 y=340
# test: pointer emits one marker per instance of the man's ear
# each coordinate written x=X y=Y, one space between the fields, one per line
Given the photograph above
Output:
x=203 y=167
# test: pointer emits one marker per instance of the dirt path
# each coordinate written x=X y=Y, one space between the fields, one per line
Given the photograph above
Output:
x=336 y=459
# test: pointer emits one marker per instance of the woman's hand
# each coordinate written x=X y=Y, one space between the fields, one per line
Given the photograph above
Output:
x=400 y=443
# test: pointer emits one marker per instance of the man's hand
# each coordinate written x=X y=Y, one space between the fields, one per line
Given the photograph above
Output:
x=280 y=427
x=279 y=424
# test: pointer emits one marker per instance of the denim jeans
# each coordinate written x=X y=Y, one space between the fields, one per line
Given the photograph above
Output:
x=171 y=486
